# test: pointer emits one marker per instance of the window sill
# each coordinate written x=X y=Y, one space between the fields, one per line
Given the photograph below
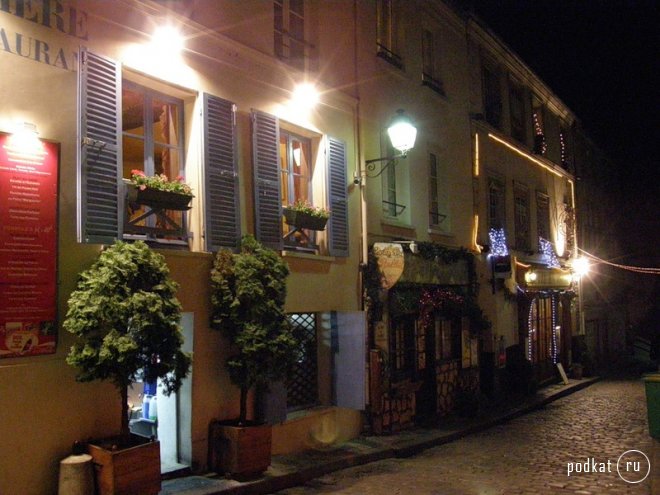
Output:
x=436 y=231
x=391 y=222
x=308 y=256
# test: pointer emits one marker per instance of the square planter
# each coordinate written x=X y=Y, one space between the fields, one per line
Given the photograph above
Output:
x=242 y=451
x=126 y=471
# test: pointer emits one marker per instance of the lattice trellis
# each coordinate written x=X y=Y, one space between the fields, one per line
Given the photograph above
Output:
x=302 y=387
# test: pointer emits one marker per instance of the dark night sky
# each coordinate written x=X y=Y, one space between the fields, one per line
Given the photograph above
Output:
x=602 y=58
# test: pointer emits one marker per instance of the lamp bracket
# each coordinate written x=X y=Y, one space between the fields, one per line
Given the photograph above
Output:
x=371 y=164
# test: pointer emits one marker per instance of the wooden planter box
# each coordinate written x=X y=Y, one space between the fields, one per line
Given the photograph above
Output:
x=156 y=198
x=242 y=451
x=303 y=220
x=126 y=471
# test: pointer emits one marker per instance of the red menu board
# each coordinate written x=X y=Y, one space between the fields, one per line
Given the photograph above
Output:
x=28 y=245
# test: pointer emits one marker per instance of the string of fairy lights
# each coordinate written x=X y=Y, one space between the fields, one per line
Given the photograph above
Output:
x=632 y=268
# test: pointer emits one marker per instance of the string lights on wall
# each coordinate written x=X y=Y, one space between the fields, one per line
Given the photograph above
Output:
x=548 y=251
x=498 y=245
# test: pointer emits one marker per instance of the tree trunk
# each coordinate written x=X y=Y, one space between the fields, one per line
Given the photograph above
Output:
x=125 y=432
x=243 y=410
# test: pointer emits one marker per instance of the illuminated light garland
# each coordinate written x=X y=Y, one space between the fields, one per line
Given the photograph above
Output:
x=560 y=172
x=548 y=251
x=498 y=242
x=632 y=268
x=553 y=352
x=530 y=331
x=541 y=146
x=562 y=145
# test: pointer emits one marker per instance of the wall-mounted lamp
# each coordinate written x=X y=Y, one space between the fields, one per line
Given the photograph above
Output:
x=402 y=134
x=580 y=267
x=167 y=39
x=24 y=144
x=530 y=276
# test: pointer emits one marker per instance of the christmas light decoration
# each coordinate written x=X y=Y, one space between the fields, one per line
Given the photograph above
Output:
x=554 y=351
x=562 y=145
x=498 y=245
x=548 y=251
x=531 y=329
x=541 y=146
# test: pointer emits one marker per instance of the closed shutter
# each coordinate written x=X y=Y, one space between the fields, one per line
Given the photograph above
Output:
x=266 y=164
x=348 y=330
x=338 y=195
x=223 y=225
x=100 y=149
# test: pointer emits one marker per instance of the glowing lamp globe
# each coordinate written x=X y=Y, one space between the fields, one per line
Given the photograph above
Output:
x=402 y=133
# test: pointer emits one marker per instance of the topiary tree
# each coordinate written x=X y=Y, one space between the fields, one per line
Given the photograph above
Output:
x=248 y=291
x=126 y=317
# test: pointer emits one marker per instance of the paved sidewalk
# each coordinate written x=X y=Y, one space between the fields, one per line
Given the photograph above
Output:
x=296 y=469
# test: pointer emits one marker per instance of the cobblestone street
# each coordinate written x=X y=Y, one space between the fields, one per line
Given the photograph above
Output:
x=529 y=455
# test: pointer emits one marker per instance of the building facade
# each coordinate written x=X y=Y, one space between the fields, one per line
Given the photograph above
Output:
x=436 y=271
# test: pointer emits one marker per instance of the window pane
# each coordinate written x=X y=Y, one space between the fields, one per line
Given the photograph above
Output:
x=132 y=116
x=279 y=17
x=133 y=155
x=297 y=28
x=166 y=124
x=297 y=6
x=166 y=161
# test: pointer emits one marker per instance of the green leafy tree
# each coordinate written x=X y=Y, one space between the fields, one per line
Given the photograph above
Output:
x=126 y=317
x=248 y=291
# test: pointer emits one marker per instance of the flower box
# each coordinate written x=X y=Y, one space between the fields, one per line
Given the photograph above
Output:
x=303 y=220
x=155 y=198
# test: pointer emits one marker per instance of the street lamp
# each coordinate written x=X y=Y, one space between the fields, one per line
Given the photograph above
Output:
x=402 y=134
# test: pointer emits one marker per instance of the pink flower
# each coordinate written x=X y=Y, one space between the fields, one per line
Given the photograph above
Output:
x=137 y=172
x=142 y=187
x=179 y=178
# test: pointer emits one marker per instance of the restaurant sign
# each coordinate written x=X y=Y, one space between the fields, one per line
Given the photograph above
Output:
x=28 y=245
x=390 y=262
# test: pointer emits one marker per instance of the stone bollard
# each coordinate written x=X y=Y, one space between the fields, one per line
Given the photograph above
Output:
x=76 y=475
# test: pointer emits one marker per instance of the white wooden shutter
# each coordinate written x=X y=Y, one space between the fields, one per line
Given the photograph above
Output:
x=223 y=225
x=349 y=358
x=100 y=199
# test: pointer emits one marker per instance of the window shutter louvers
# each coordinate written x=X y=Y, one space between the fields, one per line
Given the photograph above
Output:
x=223 y=226
x=338 y=198
x=100 y=153
x=266 y=164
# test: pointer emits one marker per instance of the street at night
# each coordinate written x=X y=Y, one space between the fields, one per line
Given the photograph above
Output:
x=528 y=455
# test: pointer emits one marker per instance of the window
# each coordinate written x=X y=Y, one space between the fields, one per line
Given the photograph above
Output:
x=492 y=96
x=386 y=43
x=148 y=132
x=302 y=385
x=152 y=142
x=290 y=32
x=283 y=172
x=437 y=201
x=296 y=182
x=430 y=71
x=496 y=206
x=402 y=346
x=517 y=113
x=521 y=216
x=448 y=338
x=542 y=215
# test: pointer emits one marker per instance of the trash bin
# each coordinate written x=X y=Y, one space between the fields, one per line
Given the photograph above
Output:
x=652 y=385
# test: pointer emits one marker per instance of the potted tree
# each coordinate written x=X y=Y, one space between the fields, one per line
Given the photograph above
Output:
x=126 y=317
x=248 y=291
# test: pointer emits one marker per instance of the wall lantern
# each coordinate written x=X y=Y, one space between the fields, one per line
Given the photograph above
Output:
x=167 y=40
x=24 y=145
x=402 y=134
x=580 y=267
x=530 y=276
